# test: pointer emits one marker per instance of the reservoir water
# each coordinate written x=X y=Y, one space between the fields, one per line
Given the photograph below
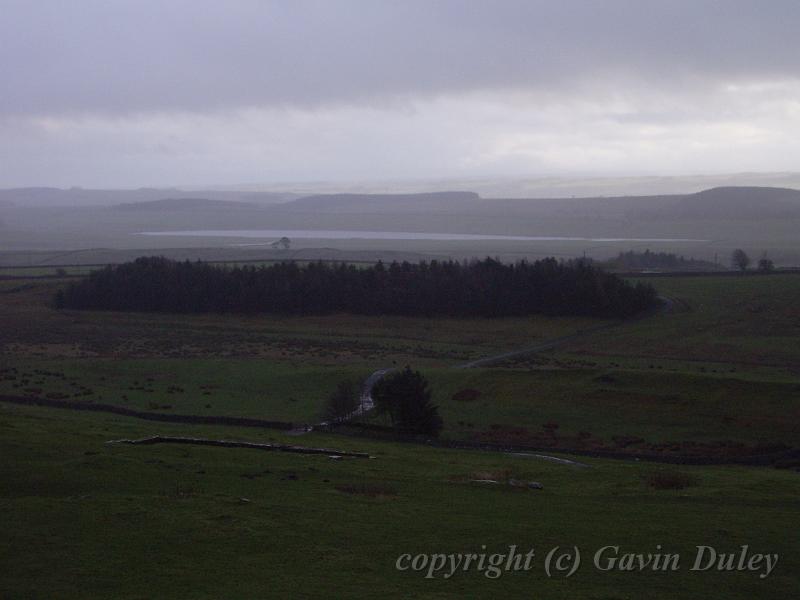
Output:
x=340 y=234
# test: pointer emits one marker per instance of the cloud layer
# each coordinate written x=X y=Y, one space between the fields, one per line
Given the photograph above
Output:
x=153 y=92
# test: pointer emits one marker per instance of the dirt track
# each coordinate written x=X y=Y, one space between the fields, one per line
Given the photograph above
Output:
x=667 y=305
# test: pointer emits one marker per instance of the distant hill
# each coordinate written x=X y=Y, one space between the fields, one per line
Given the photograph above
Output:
x=33 y=197
x=757 y=219
x=383 y=202
x=170 y=204
x=730 y=203
x=740 y=202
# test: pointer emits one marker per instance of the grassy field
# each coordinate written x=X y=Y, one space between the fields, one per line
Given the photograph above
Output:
x=29 y=327
x=658 y=406
x=85 y=519
x=614 y=383
x=746 y=321
x=589 y=407
x=247 y=388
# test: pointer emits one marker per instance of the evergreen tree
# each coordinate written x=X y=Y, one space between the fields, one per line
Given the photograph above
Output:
x=406 y=398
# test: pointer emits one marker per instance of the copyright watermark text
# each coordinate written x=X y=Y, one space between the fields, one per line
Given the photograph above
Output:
x=565 y=561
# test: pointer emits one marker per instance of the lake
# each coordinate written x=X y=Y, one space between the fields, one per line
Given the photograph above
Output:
x=340 y=234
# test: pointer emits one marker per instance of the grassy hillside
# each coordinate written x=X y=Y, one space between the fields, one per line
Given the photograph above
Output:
x=85 y=519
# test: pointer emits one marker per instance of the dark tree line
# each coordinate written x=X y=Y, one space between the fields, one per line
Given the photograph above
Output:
x=655 y=260
x=485 y=288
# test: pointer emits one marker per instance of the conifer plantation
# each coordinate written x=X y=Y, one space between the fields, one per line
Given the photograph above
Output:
x=486 y=288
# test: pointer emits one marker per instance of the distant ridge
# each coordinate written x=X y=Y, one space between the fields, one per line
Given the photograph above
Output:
x=735 y=203
x=741 y=202
x=31 y=197
x=358 y=202
x=183 y=204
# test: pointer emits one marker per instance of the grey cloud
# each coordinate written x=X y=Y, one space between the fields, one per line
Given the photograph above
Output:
x=121 y=57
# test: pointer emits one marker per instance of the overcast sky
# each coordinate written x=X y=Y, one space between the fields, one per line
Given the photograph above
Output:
x=159 y=92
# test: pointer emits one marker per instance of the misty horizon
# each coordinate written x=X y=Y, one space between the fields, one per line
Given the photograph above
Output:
x=485 y=187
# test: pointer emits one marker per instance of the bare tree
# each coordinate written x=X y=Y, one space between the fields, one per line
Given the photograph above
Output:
x=740 y=260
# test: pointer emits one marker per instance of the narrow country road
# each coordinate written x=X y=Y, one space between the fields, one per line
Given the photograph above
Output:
x=666 y=306
x=546 y=345
x=365 y=404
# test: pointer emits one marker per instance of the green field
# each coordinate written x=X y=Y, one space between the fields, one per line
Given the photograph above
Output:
x=714 y=375
x=656 y=405
x=29 y=327
x=748 y=321
x=653 y=379
x=246 y=388
x=85 y=519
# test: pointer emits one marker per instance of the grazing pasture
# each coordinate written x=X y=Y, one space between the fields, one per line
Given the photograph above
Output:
x=83 y=518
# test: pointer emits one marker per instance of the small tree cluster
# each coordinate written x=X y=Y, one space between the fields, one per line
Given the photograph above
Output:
x=405 y=397
x=740 y=260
